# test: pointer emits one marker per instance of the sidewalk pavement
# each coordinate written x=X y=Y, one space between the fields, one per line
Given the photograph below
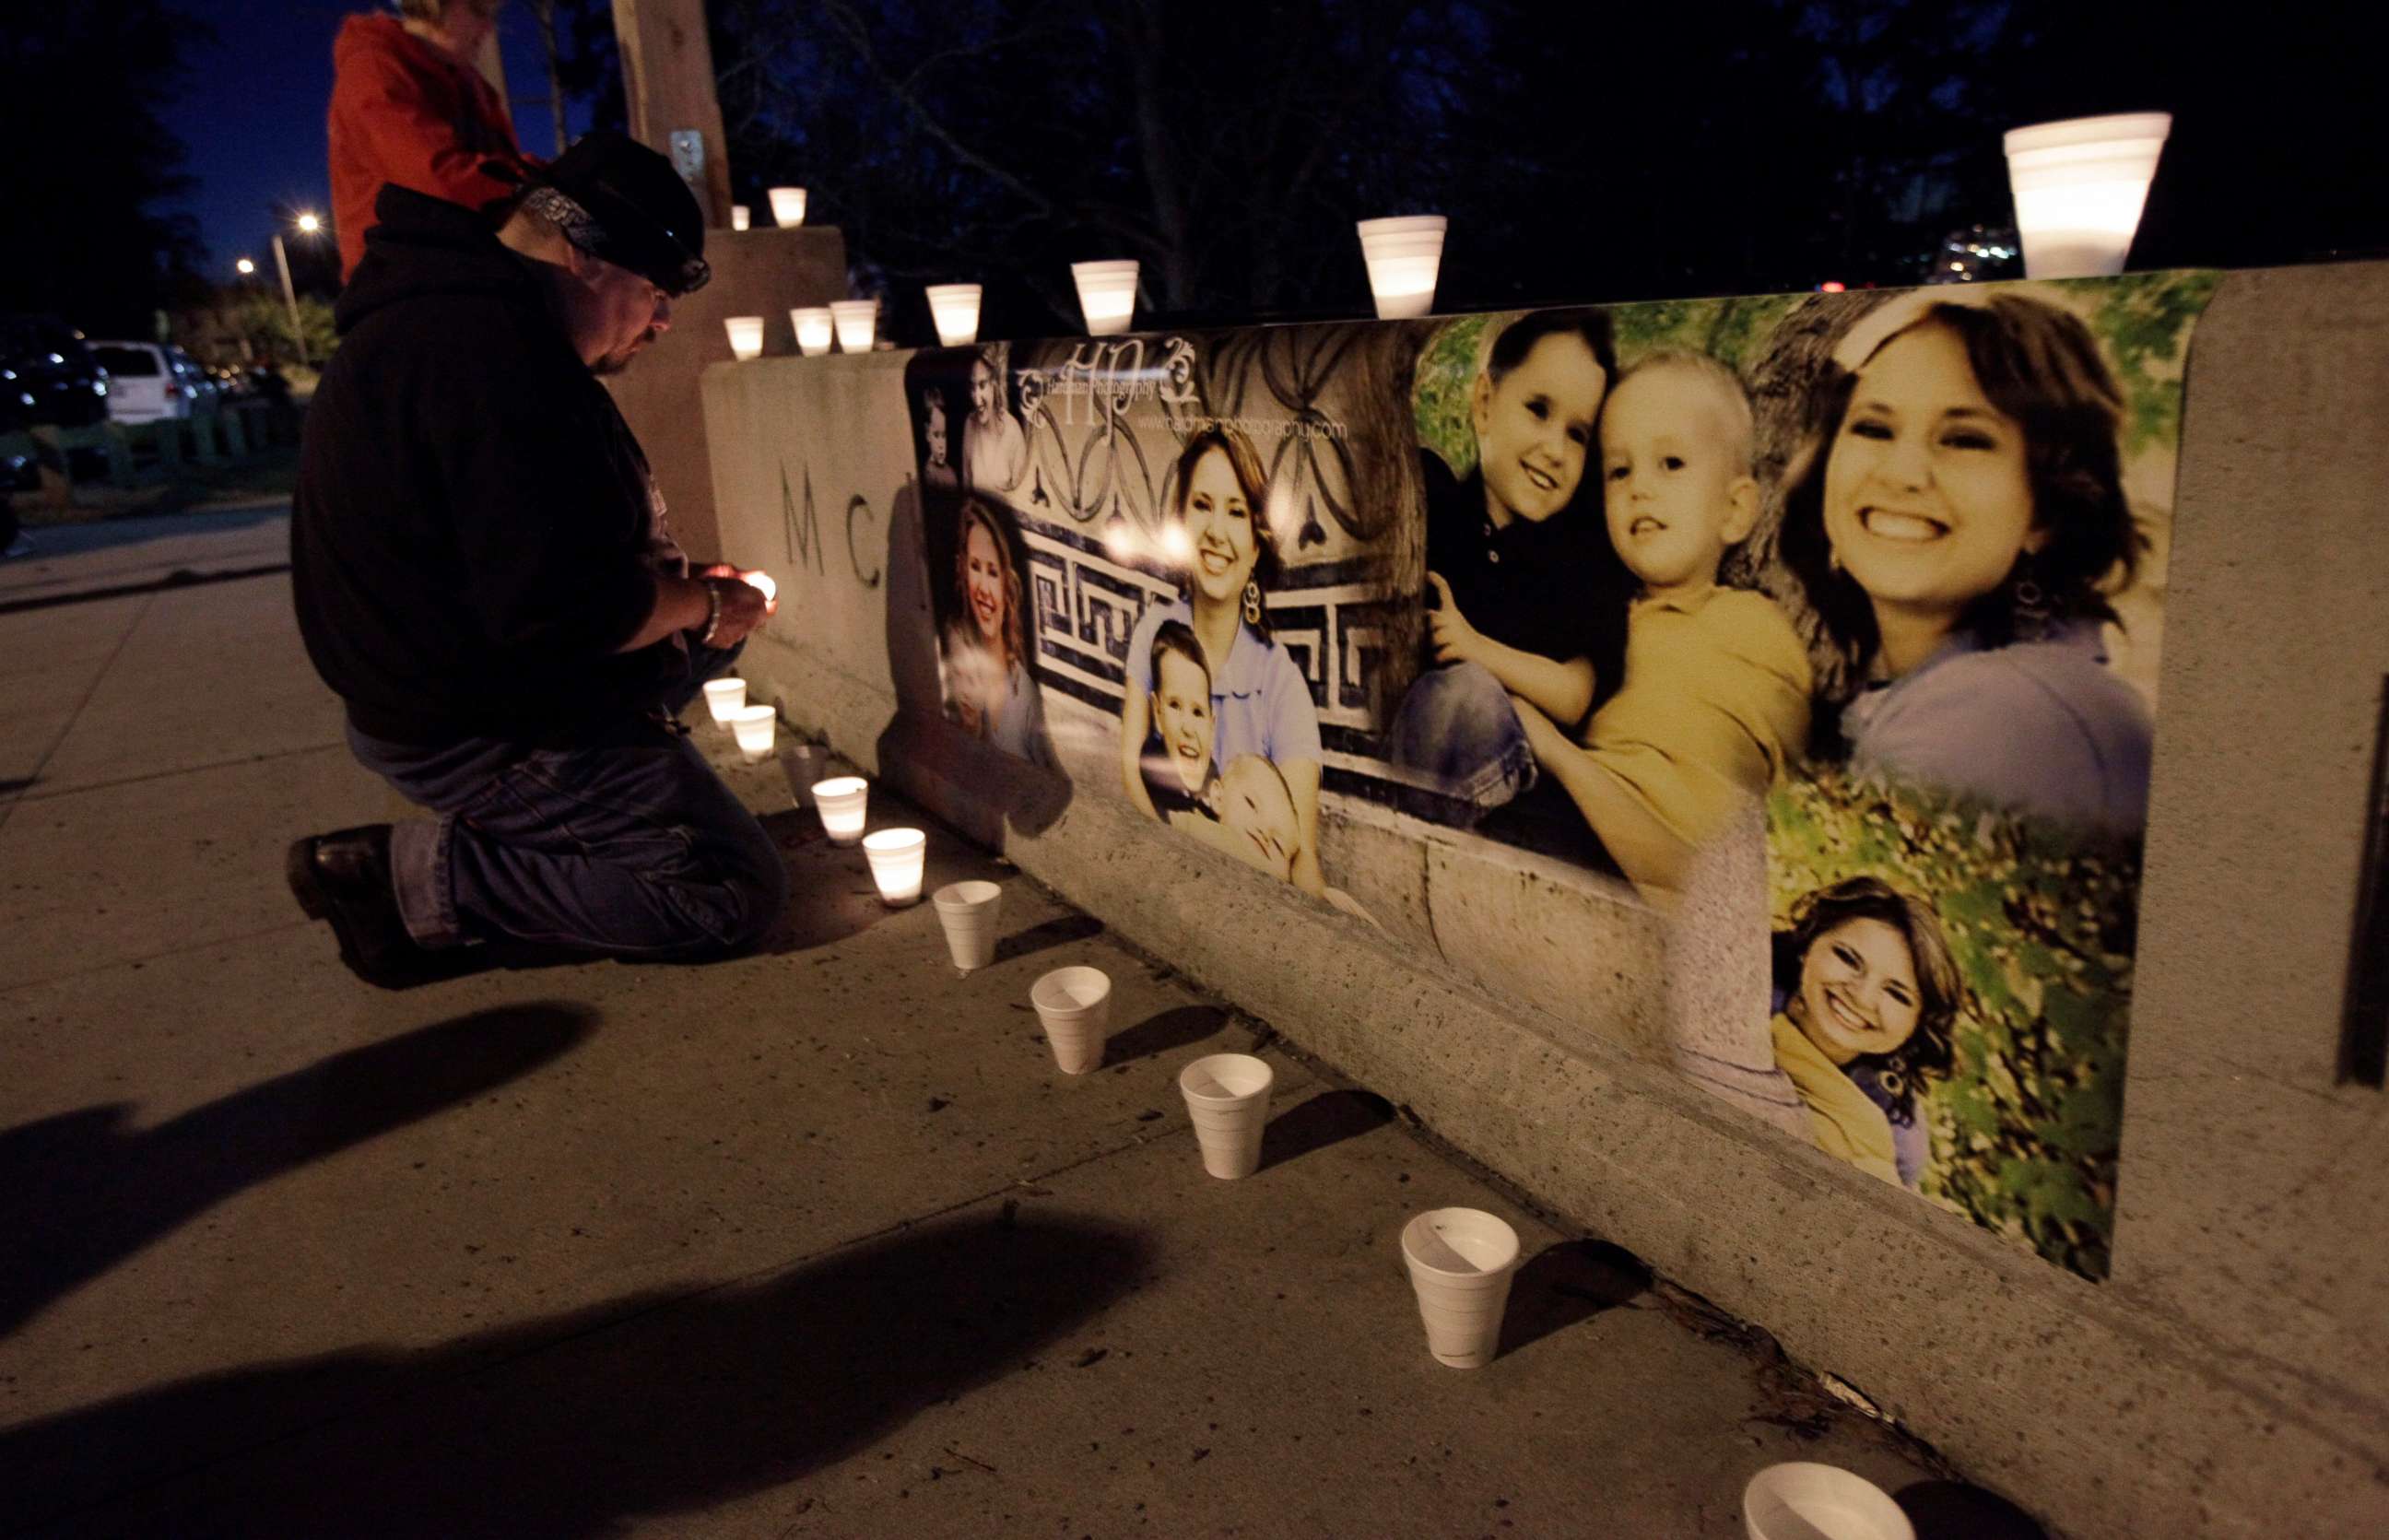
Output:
x=68 y=560
x=815 y=1243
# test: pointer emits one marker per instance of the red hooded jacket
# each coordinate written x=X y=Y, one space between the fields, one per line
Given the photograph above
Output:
x=407 y=112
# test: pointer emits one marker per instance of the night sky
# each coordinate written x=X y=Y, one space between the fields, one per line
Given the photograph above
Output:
x=252 y=114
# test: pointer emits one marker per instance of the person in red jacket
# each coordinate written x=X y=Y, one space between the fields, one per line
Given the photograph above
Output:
x=408 y=107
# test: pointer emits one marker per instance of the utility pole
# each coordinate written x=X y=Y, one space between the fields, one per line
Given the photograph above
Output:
x=667 y=84
x=543 y=13
x=290 y=297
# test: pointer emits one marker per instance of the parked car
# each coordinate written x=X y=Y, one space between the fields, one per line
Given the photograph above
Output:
x=150 y=382
x=48 y=373
x=207 y=392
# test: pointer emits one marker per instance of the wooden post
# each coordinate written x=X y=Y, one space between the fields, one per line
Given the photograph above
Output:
x=492 y=66
x=668 y=83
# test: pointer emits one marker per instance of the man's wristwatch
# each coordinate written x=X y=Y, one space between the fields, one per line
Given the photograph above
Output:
x=712 y=610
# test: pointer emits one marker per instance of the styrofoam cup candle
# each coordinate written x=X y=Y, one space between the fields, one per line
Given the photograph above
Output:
x=1461 y=1260
x=741 y=217
x=1404 y=256
x=816 y=329
x=858 y=321
x=745 y=334
x=897 y=856
x=955 y=307
x=1804 y=1501
x=2079 y=187
x=1226 y=1098
x=843 y=800
x=1106 y=295
x=787 y=207
x=724 y=697
x=1075 y=1004
x=969 y=912
x=754 y=725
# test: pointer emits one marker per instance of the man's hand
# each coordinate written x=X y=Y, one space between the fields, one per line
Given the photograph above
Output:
x=684 y=604
x=743 y=609
x=748 y=598
x=753 y=577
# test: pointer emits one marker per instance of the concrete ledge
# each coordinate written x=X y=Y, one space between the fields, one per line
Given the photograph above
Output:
x=2226 y=1380
x=2073 y=1403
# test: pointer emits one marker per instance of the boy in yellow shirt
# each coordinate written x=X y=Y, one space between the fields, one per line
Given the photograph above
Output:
x=1714 y=699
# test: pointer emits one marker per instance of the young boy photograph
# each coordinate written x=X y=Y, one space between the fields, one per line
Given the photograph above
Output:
x=1524 y=598
x=1179 y=777
x=1714 y=700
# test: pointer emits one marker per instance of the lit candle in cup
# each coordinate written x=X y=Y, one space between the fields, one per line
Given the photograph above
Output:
x=1106 y=295
x=741 y=217
x=1403 y=256
x=857 y=321
x=816 y=331
x=842 y=800
x=724 y=697
x=745 y=334
x=2079 y=189
x=787 y=207
x=955 y=307
x=754 y=725
x=897 y=858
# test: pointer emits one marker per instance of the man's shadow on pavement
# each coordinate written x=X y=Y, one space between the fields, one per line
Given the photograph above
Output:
x=81 y=1191
x=573 y=1424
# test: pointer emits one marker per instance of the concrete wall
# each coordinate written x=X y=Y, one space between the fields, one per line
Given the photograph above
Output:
x=755 y=272
x=2230 y=1378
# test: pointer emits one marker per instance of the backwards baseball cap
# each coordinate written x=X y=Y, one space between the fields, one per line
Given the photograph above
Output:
x=618 y=200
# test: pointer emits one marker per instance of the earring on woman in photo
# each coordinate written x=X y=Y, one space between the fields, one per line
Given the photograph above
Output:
x=1252 y=602
x=2029 y=600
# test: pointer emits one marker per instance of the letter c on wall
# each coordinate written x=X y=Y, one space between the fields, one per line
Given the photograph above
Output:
x=857 y=504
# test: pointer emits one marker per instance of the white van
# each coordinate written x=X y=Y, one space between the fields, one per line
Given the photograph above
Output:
x=148 y=382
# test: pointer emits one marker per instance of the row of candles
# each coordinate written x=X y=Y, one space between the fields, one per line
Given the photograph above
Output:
x=1403 y=255
x=1460 y=1261
x=898 y=855
x=2079 y=189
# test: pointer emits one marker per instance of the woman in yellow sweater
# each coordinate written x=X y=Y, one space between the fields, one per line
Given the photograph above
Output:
x=1866 y=992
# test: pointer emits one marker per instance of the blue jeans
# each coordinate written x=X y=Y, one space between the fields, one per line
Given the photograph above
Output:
x=1457 y=728
x=628 y=846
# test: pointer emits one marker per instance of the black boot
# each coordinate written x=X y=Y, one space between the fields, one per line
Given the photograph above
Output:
x=345 y=878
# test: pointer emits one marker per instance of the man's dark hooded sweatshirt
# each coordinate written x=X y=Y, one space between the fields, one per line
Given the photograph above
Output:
x=470 y=536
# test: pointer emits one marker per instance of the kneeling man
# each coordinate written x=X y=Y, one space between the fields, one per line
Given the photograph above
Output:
x=483 y=573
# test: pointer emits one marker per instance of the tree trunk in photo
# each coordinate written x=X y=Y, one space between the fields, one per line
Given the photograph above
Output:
x=1784 y=384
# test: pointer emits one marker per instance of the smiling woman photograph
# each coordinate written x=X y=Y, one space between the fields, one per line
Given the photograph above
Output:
x=1865 y=994
x=1958 y=529
x=983 y=650
x=1217 y=530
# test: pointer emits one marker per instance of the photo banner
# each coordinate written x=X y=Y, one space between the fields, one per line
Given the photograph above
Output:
x=1587 y=584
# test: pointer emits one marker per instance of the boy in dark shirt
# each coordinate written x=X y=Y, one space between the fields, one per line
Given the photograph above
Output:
x=1180 y=776
x=1524 y=597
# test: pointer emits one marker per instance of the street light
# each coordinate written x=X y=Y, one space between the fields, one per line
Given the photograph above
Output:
x=308 y=225
x=245 y=268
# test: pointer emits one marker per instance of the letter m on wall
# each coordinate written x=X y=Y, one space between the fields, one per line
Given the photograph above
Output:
x=801 y=529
